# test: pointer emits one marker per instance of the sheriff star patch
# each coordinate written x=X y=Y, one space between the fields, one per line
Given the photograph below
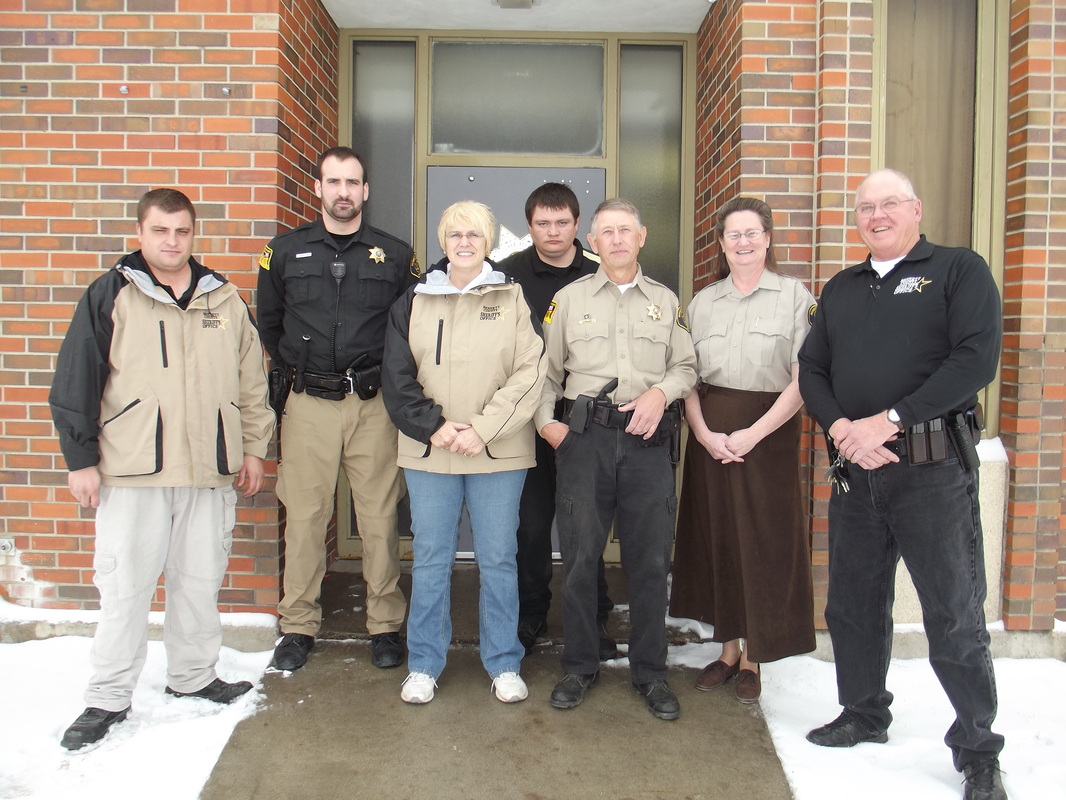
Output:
x=264 y=259
x=213 y=321
x=377 y=255
x=912 y=284
x=681 y=320
x=548 y=313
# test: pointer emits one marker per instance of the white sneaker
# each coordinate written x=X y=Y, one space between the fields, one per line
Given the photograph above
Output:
x=417 y=688
x=510 y=688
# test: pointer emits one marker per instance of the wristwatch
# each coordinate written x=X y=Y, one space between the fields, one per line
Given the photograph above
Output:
x=893 y=417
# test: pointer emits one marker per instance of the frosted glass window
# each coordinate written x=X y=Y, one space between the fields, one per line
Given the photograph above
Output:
x=383 y=130
x=517 y=97
x=649 y=162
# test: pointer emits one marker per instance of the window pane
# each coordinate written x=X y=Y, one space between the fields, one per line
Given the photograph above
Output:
x=513 y=97
x=383 y=130
x=649 y=162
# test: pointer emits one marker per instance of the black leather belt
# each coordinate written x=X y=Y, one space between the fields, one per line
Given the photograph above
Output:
x=606 y=415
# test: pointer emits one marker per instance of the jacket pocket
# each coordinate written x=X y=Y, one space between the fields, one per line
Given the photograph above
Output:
x=412 y=448
x=131 y=440
x=589 y=344
x=229 y=441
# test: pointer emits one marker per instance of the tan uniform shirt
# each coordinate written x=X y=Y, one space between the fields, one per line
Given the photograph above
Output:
x=593 y=333
x=750 y=342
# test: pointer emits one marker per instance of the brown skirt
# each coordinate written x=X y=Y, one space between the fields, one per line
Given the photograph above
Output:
x=742 y=558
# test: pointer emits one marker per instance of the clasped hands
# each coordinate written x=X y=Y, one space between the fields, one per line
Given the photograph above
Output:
x=458 y=437
x=862 y=441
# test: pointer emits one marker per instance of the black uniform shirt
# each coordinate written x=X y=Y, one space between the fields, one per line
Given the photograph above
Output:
x=541 y=281
x=299 y=295
x=922 y=340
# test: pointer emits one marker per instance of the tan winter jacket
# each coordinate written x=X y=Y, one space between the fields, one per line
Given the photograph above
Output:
x=473 y=357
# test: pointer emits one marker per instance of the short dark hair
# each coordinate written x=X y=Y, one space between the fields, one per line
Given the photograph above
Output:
x=341 y=154
x=552 y=196
x=169 y=201
x=766 y=217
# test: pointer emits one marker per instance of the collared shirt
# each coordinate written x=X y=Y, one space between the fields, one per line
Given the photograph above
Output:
x=541 y=281
x=750 y=342
x=593 y=333
x=344 y=321
x=924 y=339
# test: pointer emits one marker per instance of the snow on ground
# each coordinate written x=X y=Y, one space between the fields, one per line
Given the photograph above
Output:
x=181 y=738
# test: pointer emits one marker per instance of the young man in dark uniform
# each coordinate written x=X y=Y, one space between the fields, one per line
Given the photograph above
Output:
x=555 y=260
x=325 y=290
x=900 y=346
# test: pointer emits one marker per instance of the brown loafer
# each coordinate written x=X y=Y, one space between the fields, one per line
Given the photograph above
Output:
x=748 y=687
x=714 y=675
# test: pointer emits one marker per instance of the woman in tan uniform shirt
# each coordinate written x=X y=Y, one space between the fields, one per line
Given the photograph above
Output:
x=742 y=557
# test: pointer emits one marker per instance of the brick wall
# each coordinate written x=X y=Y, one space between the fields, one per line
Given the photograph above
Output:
x=1034 y=309
x=228 y=100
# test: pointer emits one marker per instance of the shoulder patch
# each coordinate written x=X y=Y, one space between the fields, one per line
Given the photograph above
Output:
x=548 y=314
x=811 y=313
x=416 y=268
x=264 y=259
x=681 y=320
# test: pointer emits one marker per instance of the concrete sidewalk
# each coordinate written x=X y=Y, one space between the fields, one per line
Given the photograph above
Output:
x=337 y=728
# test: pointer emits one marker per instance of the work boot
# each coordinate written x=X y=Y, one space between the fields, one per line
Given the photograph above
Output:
x=292 y=649
x=91 y=727
x=218 y=691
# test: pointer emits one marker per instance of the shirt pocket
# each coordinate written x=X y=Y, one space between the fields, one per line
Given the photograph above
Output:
x=771 y=339
x=303 y=282
x=131 y=438
x=377 y=285
x=710 y=343
x=589 y=345
x=650 y=343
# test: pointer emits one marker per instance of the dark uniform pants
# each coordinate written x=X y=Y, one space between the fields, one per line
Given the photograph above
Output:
x=535 y=543
x=928 y=513
x=605 y=475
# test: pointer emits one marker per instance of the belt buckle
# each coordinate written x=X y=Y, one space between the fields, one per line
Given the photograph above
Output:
x=348 y=383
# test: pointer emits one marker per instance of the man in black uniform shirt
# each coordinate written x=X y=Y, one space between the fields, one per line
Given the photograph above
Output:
x=555 y=260
x=325 y=289
x=900 y=347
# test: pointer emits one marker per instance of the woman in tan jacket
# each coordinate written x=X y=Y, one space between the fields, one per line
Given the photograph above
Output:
x=462 y=374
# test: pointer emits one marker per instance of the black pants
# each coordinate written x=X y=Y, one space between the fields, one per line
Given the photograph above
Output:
x=605 y=475
x=536 y=514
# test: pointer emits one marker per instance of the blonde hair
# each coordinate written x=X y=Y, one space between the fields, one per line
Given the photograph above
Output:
x=468 y=215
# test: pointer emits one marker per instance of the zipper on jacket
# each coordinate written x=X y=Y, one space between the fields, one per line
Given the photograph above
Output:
x=163 y=343
x=440 y=338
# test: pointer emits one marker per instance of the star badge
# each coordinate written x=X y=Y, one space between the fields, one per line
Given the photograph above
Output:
x=654 y=312
x=377 y=255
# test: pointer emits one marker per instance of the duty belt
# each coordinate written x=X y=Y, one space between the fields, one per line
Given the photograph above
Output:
x=606 y=415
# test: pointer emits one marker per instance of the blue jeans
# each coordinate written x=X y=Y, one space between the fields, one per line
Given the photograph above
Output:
x=436 y=502
x=928 y=514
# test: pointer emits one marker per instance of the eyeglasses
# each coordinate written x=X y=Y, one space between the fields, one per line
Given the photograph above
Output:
x=886 y=206
x=455 y=236
x=736 y=236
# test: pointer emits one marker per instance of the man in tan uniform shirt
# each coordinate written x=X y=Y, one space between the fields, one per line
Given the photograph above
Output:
x=617 y=327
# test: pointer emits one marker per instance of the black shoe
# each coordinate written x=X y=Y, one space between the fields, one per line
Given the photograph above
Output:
x=608 y=646
x=218 y=691
x=847 y=730
x=571 y=690
x=660 y=698
x=983 y=781
x=528 y=632
x=91 y=727
x=386 y=650
x=292 y=649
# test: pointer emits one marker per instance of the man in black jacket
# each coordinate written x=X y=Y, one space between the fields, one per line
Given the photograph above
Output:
x=555 y=260
x=900 y=347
